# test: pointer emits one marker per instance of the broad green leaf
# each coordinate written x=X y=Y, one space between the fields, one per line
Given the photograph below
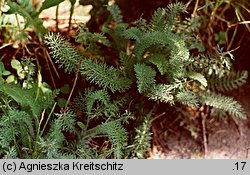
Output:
x=28 y=97
x=4 y=7
x=26 y=9
x=10 y=79
x=72 y=2
x=81 y=125
x=62 y=102
x=49 y=3
x=2 y=68
x=15 y=64
x=199 y=77
x=45 y=88
x=65 y=89
x=6 y=72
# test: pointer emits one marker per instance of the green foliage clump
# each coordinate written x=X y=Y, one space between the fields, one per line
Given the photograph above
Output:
x=132 y=66
x=23 y=109
x=25 y=9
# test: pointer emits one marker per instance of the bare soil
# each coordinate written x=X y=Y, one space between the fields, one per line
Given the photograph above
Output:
x=229 y=139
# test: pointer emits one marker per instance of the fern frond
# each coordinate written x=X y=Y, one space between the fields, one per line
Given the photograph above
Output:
x=99 y=95
x=164 y=19
x=188 y=98
x=230 y=81
x=16 y=126
x=7 y=135
x=176 y=45
x=173 y=11
x=11 y=153
x=160 y=61
x=115 y=132
x=23 y=125
x=99 y=103
x=89 y=39
x=116 y=13
x=142 y=139
x=67 y=121
x=54 y=139
x=218 y=113
x=211 y=64
x=145 y=76
x=78 y=103
x=85 y=151
x=102 y=75
x=162 y=93
x=133 y=33
x=118 y=42
x=227 y=104
x=23 y=120
x=128 y=64
x=158 y=22
x=63 y=53
x=141 y=24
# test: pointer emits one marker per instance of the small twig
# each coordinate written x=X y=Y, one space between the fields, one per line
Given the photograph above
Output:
x=18 y=23
x=5 y=45
x=52 y=63
x=57 y=11
x=158 y=116
x=195 y=7
x=203 y=116
x=237 y=126
x=72 y=90
x=233 y=37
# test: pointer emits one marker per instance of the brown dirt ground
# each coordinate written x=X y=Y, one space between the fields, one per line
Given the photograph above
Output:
x=228 y=139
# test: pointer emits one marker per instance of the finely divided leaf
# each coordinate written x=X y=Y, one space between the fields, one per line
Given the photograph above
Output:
x=102 y=75
x=116 y=13
x=145 y=76
x=160 y=61
x=227 y=104
x=116 y=133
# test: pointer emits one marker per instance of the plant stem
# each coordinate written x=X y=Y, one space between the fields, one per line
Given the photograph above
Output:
x=71 y=13
x=72 y=90
x=50 y=114
x=57 y=12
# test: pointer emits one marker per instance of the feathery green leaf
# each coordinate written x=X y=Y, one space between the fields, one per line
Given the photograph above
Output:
x=230 y=81
x=63 y=53
x=145 y=76
x=116 y=13
x=227 y=104
x=102 y=75
x=115 y=132
x=160 y=61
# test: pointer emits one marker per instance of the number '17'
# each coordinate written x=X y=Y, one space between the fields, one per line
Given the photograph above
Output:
x=240 y=165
